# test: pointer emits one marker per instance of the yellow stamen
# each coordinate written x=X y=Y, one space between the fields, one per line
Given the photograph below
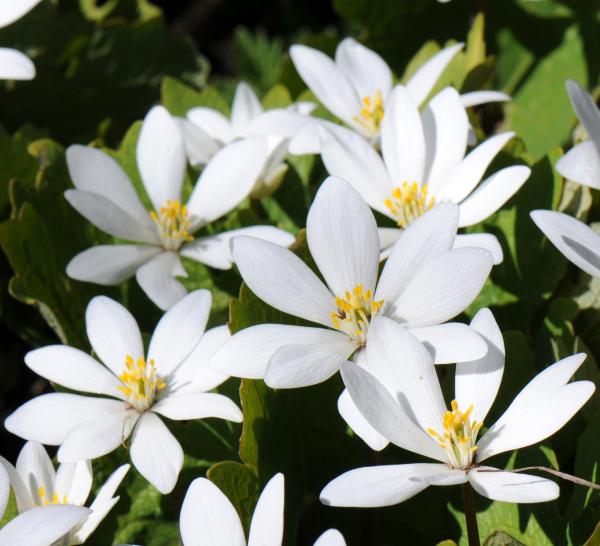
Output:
x=54 y=499
x=459 y=437
x=371 y=114
x=354 y=312
x=173 y=224
x=140 y=382
x=408 y=202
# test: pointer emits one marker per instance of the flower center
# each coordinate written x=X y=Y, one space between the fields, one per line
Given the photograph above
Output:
x=459 y=437
x=408 y=202
x=371 y=114
x=354 y=313
x=140 y=382
x=55 y=499
x=173 y=223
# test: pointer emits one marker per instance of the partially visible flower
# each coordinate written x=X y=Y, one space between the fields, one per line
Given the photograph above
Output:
x=206 y=131
x=172 y=381
x=36 y=483
x=411 y=412
x=107 y=198
x=357 y=84
x=582 y=162
x=209 y=519
x=15 y=65
x=40 y=526
x=423 y=165
x=423 y=284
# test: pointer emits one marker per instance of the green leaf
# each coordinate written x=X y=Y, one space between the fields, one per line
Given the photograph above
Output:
x=259 y=58
x=179 y=97
x=500 y=538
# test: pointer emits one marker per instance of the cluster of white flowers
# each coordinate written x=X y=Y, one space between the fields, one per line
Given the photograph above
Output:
x=384 y=329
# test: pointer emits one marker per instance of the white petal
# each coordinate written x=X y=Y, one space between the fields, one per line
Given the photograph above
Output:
x=492 y=194
x=113 y=333
x=451 y=342
x=4 y=489
x=377 y=486
x=581 y=164
x=350 y=157
x=294 y=366
x=279 y=121
x=41 y=526
x=194 y=374
x=102 y=505
x=364 y=68
x=361 y=427
x=475 y=98
x=486 y=241
x=156 y=453
x=579 y=243
x=74 y=481
x=245 y=107
x=544 y=406
x=477 y=382
x=208 y=518
x=385 y=414
x=332 y=537
x=156 y=278
x=342 y=237
x=96 y=438
x=179 y=331
x=199 y=146
x=405 y=368
x=13 y=10
x=281 y=279
x=161 y=157
x=111 y=218
x=307 y=140
x=468 y=173
x=23 y=494
x=446 y=128
x=227 y=179
x=73 y=369
x=212 y=122
x=94 y=171
x=402 y=139
x=198 y=406
x=512 y=486
x=444 y=287
x=35 y=470
x=215 y=251
x=110 y=264
x=429 y=236
x=51 y=417
x=422 y=82
x=15 y=65
x=266 y=528
x=387 y=238
x=586 y=110
x=248 y=352
x=326 y=81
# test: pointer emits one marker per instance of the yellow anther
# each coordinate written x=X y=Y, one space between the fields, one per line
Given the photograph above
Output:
x=354 y=312
x=408 y=202
x=54 y=499
x=173 y=224
x=459 y=437
x=371 y=114
x=140 y=382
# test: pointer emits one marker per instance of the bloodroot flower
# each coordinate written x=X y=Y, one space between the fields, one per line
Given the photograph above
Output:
x=172 y=381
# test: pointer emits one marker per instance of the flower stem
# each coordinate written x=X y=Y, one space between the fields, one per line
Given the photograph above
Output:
x=470 y=516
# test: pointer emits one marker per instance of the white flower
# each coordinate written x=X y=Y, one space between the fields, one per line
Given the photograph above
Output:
x=356 y=87
x=423 y=284
x=106 y=197
x=423 y=165
x=206 y=131
x=40 y=526
x=209 y=519
x=36 y=483
x=172 y=381
x=582 y=162
x=410 y=410
x=15 y=65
